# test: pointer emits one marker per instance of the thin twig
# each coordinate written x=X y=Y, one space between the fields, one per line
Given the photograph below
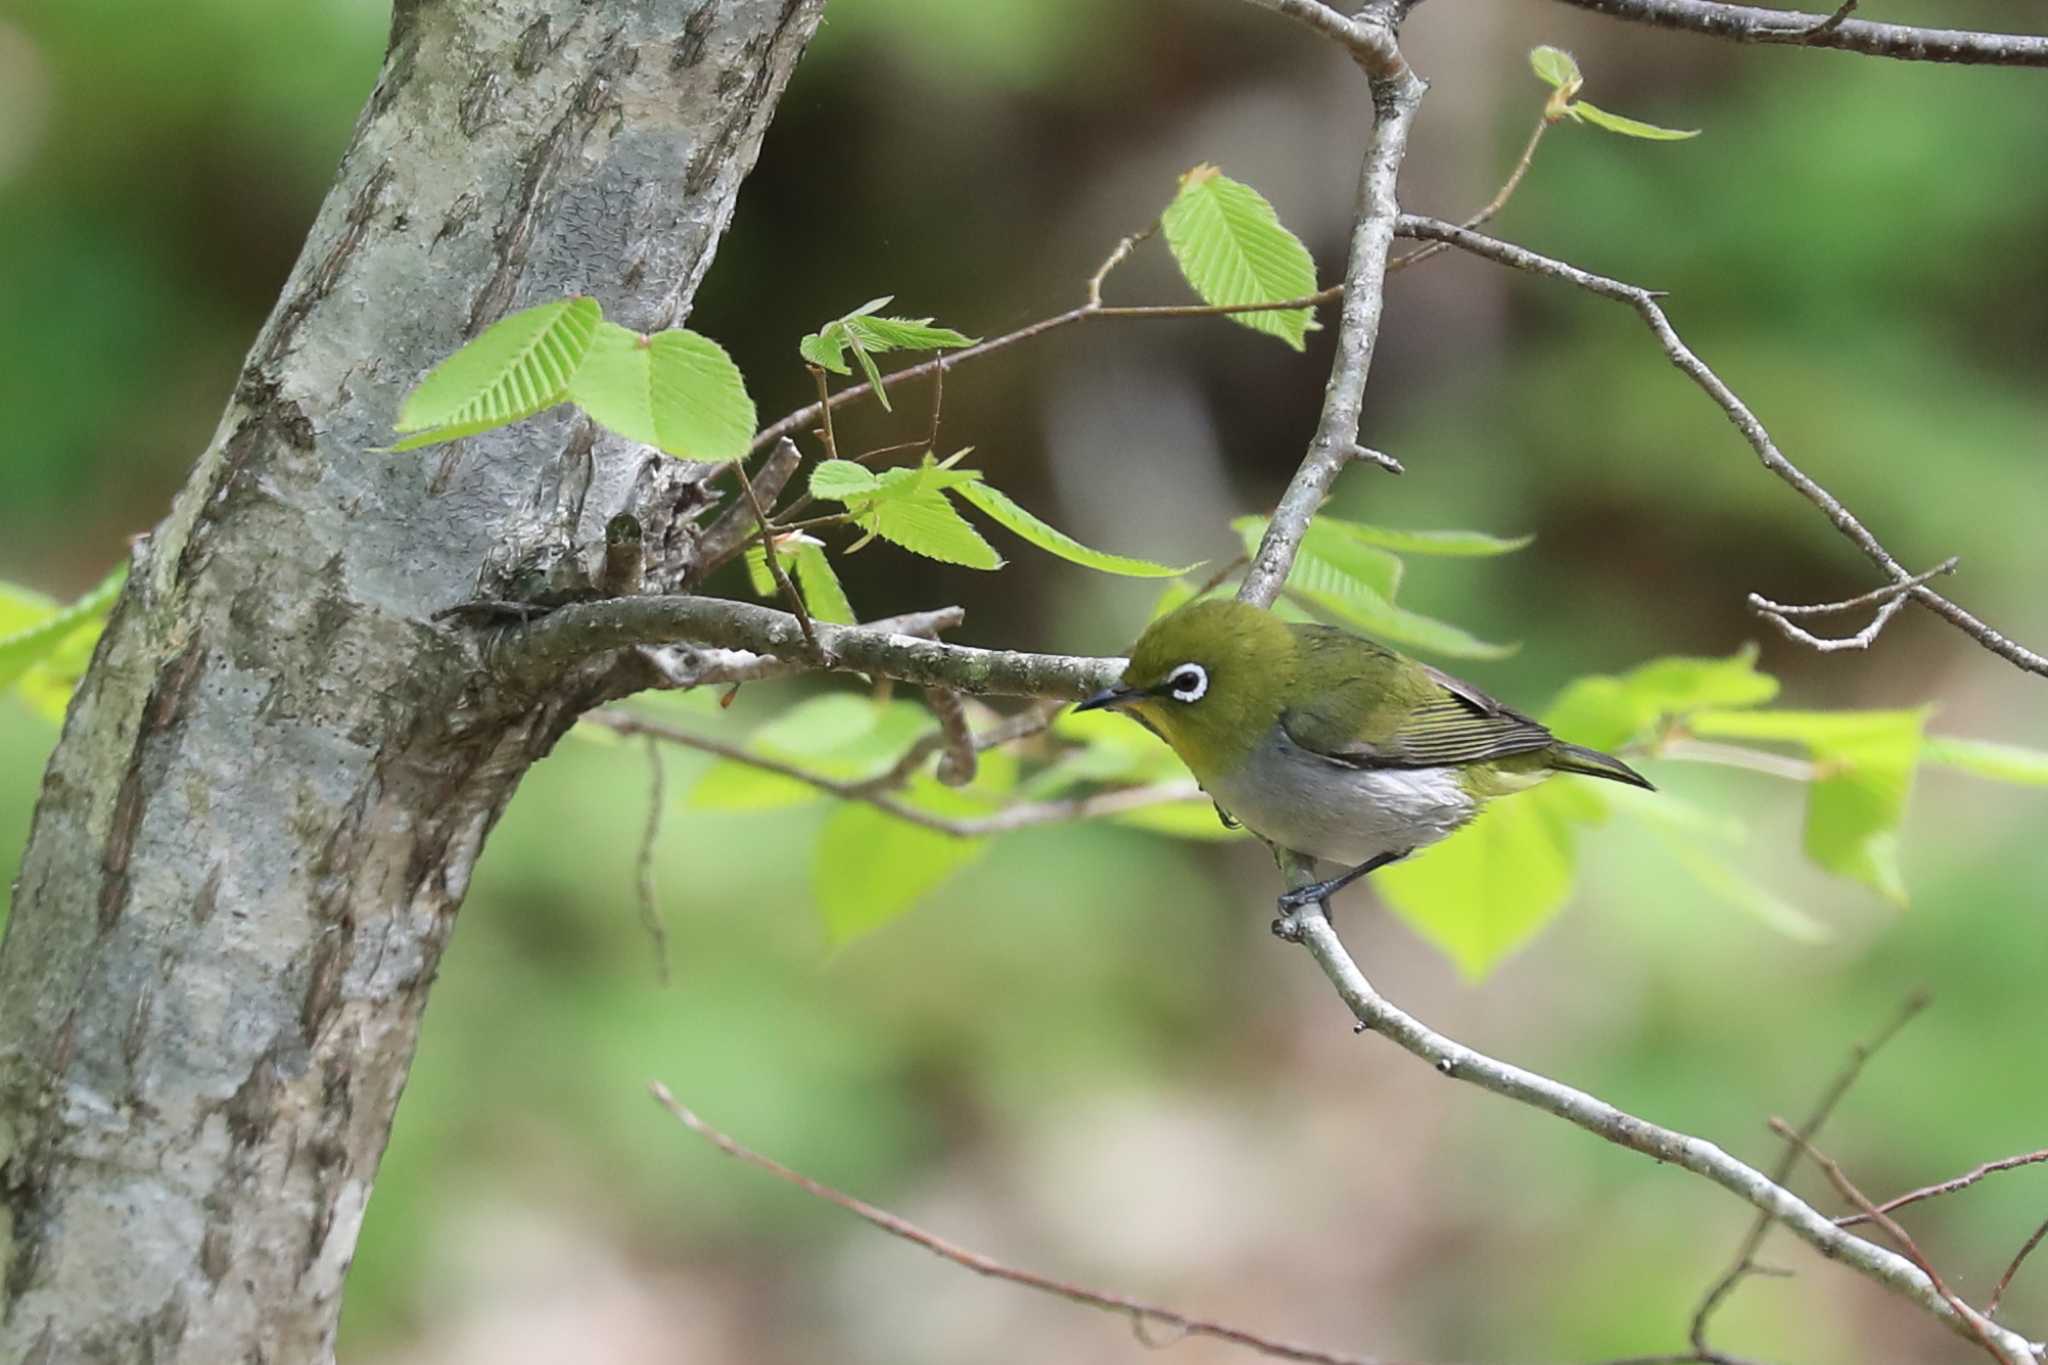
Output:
x=1961 y=1182
x=2005 y=1280
x=1141 y=1314
x=1892 y=596
x=1310 y=926
x=737 y=529
x=957 y=763
x=1735 y=756
x=1645 y=303
x=774 y=560
x=1117 y=256
x=650 y=908
x=824 y=410
x=1022 y=815
x=1493 y=205
x=1744 y=1263
x=1847 y=1189
x=1754 y=24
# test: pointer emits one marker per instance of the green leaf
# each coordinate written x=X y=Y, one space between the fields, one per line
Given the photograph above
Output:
x=1232 y=249
x=520 y=365
x=1980 y=758
x=36 y=629
x=904 y=334
x=874 y=375
x=925 y=523
x=1853 y=809
x=1377 y=617
x=1487 y=890
x=675 y=390
x=1449 y=544
x=871 y=867
x=1331 y=561
x=826 y=349
x=1555 y=67
x=1607 y=712
x=1627 y=127
x=824 y=598
x=758 y=576
x=1001 y=508
x=927 y=474
x=842 y=480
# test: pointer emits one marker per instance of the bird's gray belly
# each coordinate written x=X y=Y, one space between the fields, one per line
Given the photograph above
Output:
x=1311 y=804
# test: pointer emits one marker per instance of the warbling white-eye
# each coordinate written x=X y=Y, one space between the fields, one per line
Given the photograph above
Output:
x=1326 y=744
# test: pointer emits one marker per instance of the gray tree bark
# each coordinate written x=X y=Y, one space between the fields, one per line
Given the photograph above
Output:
x=275 y=780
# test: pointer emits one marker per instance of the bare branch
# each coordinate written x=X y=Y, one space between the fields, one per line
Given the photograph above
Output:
x=1961 y=1182
x=1369 y=38
x=774 y=556
x=736 y=528
x=1751 y=24
x=1141 y=1314
x=957 y=763
x=1745 y=1263
x=2005 y=1280
x=683 y=666
x=1892 y=596
x=1493 y=206
x=1847 y=1189
x=1396 y=94
x=1311 y=927
x=1645 y=303
x=650 y=838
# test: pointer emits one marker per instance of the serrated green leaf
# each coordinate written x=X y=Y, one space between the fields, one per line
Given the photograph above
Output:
x=824 y=598
x=867 y=366
x=1853 y=808
x=1554 y=66
x=924 y=522
x=1232 y=250
x=927 y=474
x=1608 y=712
x=871 y=867
x=1627 y=127
x=1488 y=889
x=1446 y=544
x=842 y=480
x=40 y=628
x=1981 y=758
x=520 y=365
x=1331 y=560
x=826 y=348
x=674 y=390
x=905 y=334
x=1372 y=614
x=1005 y=512
x=758 y=576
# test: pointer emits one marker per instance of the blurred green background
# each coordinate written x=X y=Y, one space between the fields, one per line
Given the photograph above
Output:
x=1086 y=1054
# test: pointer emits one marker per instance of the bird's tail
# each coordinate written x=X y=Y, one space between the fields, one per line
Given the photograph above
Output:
x=1576 y=758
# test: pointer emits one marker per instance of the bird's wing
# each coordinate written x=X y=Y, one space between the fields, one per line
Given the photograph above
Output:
x=1432 y=721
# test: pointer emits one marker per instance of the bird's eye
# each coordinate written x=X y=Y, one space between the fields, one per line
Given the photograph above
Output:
x=1189 y=682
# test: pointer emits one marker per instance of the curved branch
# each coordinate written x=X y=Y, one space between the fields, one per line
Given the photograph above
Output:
x=1751 y=24
x=1644 y=301
x=1312 y=928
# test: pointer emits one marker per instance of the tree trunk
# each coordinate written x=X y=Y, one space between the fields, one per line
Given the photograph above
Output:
x=273 y=784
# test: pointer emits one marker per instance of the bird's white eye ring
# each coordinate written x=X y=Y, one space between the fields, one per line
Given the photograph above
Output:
x=1189 y=682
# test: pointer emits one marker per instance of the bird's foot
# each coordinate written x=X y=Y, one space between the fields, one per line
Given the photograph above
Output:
x=1313 y=894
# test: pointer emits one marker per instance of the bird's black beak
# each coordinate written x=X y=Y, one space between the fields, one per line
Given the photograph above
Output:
x=1110 y=697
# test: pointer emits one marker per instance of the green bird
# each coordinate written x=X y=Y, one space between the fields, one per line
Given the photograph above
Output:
x=1329 y=745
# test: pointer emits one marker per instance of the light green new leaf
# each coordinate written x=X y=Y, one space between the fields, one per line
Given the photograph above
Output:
x=1866 y=761
x=758 y=576
x=904 y=334
x=674 y=390
x=520 y=365
x=924 y=522
x=999 y=506
x=1980 y=758
x=824 y=598
x=1607 y=712
x=1232 y=249
x=1627 y=127
x=1331 y=561
x=842 y=480
x=927 y=474
x=33 y=630
x=1487 y=890
x=871 y=867
x=826 y=349
x=1448 y=544
x=1555 y=67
